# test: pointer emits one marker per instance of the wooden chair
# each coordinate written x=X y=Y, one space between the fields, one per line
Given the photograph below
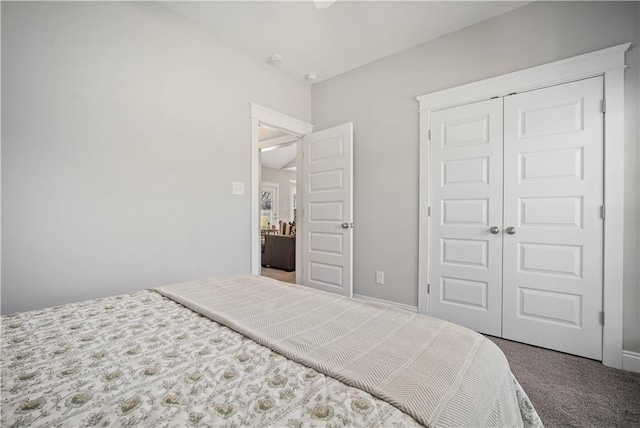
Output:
x=285 y=228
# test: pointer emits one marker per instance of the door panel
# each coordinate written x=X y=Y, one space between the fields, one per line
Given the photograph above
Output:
x=553 y=186
x=466 y=200
x=327 y=195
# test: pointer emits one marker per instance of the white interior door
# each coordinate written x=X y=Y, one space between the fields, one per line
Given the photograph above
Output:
x=553 y=178
x=268 y=205
x=466 y=202
x=327 y=215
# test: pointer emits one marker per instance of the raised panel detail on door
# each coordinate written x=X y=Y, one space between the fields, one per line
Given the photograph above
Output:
x=544 y=164
x=329 y=243
x=326 y=212
x=326 y=274
x=550 y=307
x=465 y=171
x=325 y=181
x=466 y=200
x=556 y=259
x=553 y=191
x=551 y=119
x=327 y=196
x=465 y=252
x=464 y=132
x=465 y=211
x=326 y=149
x=465 y=293
x=560 y=211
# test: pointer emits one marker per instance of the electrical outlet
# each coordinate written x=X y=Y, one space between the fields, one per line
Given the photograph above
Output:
x=238 y=188
x=379 y=277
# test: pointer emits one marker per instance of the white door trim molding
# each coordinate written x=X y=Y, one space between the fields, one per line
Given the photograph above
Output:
x=262 y=115
x=609 y=63
x=277 y=120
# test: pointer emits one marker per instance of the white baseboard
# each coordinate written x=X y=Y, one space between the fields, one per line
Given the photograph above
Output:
x=387 y=302
x=631 y=361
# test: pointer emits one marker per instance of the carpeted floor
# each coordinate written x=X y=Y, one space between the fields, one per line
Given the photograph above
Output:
x=279 y=275
x=569 y=391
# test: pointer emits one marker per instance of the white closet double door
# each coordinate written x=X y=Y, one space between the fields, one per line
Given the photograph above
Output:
x=516 y=221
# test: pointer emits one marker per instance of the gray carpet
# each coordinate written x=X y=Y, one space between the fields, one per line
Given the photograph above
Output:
x=569 y=391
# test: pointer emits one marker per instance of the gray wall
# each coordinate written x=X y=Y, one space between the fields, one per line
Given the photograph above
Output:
x=282 y=178
x=379 y=99
x=124 y=126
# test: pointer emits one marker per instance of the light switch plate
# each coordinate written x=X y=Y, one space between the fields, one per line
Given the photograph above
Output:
x=238 y=188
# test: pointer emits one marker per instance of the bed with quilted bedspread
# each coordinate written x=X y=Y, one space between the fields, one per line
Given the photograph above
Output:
x=145 y=359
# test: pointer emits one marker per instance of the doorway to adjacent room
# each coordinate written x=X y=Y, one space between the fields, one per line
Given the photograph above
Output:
x=278 y=169
x=324 y=206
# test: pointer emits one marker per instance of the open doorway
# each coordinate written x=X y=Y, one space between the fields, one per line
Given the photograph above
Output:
x=324 y=200
x=262 y=117
x=278 y=172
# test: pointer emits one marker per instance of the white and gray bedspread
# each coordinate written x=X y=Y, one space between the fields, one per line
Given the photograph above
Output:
x=144 y=359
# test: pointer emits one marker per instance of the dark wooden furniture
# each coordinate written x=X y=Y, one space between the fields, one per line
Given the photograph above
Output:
x=279 y=252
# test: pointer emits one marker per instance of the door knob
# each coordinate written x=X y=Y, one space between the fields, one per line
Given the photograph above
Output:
x=345 y=225
x=510 y=230
x=494 y=230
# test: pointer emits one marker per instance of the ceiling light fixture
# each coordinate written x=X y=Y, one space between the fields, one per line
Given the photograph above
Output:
x=275 y=60
x=311 y=76
x=323 y=4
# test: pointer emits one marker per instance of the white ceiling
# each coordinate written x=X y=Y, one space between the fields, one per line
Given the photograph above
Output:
x=332 y=41
x=277 y=150
x=265 y=134
x=280 y=158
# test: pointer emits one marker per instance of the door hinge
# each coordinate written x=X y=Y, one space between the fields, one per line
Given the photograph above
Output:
x=428 y=288
x=429 y=135
x=601 y=318
x=603 y=212
x=603 y=106
x=428 y=211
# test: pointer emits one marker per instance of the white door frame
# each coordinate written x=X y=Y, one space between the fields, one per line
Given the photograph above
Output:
x=262 y=115
x=609 y=63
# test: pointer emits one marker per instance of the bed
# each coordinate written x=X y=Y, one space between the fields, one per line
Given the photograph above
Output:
x=250 y=351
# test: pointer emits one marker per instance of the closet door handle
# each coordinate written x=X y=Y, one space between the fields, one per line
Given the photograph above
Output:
x=494 y=230
x=510 y=230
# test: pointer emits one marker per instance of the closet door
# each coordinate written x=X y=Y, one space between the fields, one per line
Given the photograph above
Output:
x=466 y=216
x=553 y=173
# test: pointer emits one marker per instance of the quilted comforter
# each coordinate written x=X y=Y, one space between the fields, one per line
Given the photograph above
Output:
x=143 y=359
